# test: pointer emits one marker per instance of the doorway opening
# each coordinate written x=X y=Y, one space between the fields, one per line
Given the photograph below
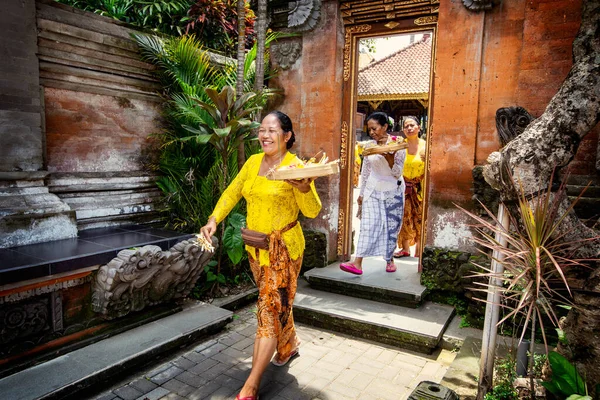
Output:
x=391 y=72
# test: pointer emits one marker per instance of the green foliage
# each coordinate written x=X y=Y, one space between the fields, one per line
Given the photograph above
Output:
x=503 y=389
x=163 y=16
x=534 y=261
x=215 y=22
x=205 y=122
x=566 y=383
x=232 y=238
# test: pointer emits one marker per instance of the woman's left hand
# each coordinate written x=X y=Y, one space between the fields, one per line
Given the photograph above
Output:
x=303 y=185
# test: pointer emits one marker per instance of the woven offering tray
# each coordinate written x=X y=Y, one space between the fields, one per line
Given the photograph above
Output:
x=306 y=171
x=385 y=148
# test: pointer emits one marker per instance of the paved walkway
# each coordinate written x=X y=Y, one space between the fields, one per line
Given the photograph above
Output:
x=330 y=367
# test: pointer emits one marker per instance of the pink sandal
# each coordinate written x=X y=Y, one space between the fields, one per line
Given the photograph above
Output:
x=400 y=254
x=349 y=267
x=390 y=266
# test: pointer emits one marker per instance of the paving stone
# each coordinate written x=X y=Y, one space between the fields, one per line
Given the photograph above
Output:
x=167 y=374
x=238 y=373
x=235 y=353
x=315 y=386
x=173 y=396
x=244 y=344
x=292 y=392
x=144 y=385
x=184 y=363
x=156 y=394
x=431 y=368
x=158 y=370
x=328 y=366
x=204 y=392
x=128 y=392
x=193 y=380
x=195 y=357
x=176 y=386
x=361 y=381
x=205 y=345
x=203 y=366
x=411 y=359
x=213 y=350
x=229 y=382
x=223 y=393
x=231 y=338
x=270 y=389
x=386 y=356
x=344 y=390
x=227 y=359
x=215 y=371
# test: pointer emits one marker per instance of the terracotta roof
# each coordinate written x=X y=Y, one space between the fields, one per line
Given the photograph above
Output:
x=401 y=75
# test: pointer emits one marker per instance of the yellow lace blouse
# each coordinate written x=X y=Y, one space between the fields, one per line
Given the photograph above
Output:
x=414 y=165
x=271 y=205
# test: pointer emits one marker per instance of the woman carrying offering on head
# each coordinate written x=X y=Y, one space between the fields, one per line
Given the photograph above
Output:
x=414 y=172
x=273 y=208
x=381 y=200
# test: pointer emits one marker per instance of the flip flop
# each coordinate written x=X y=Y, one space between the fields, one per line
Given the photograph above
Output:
x=246 y=398
x=390 y=267
x=293 y=354
x=349 y=267
x=400 y=254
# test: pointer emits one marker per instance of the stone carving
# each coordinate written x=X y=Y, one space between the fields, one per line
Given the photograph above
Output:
x=304 y=14
x=25 y=294
x=480 y=5
x=285 y=53
x=147 y=276
x=511 y=122
x=19 y=321
x=341 y=232
x=344 y=145
x=431 y=19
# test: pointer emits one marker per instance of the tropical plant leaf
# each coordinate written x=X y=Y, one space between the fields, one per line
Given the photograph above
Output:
x=565 y=376
x=237 y=220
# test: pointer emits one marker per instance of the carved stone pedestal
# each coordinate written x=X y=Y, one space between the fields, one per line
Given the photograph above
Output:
x=30 y=213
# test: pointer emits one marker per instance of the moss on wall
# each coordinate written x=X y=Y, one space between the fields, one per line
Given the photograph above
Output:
x=315 y=253
x=448 y=274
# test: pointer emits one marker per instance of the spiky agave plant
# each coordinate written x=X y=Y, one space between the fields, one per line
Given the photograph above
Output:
x=535 y=261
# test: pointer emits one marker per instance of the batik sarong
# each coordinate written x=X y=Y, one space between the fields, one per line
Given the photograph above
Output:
x=381 y=219
x=413 y=211
x=276 y=292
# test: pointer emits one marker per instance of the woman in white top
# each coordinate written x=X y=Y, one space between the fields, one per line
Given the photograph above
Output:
x=381 y=200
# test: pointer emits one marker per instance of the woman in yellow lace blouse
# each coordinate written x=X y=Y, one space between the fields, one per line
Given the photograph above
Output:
x=273 y=208
x=414 y=172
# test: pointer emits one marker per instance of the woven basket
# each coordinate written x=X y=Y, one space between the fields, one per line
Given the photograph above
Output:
x=385 y=148
x=312 y=171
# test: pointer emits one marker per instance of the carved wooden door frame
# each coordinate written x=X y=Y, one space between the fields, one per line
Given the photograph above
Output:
x=383 y=18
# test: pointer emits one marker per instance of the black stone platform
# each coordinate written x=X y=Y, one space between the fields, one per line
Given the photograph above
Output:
x=92 y=247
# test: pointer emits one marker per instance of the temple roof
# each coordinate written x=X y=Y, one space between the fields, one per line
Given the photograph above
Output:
x=401 y=75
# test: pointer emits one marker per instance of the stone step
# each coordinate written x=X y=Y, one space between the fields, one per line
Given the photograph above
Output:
x=418 y=329
x=400 y=288
x=98 y=362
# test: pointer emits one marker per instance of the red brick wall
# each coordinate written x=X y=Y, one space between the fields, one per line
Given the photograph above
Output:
x=313 y=100
x=517 y=54
x=96 y=133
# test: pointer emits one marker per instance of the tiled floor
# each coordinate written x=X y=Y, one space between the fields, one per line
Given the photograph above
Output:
x=330 y=367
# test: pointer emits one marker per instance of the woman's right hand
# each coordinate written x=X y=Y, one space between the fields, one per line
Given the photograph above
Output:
x=209 y=229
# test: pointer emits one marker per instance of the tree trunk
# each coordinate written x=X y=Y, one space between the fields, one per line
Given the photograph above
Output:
x=241 y=56
x=552 y=141
x=261 y=33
